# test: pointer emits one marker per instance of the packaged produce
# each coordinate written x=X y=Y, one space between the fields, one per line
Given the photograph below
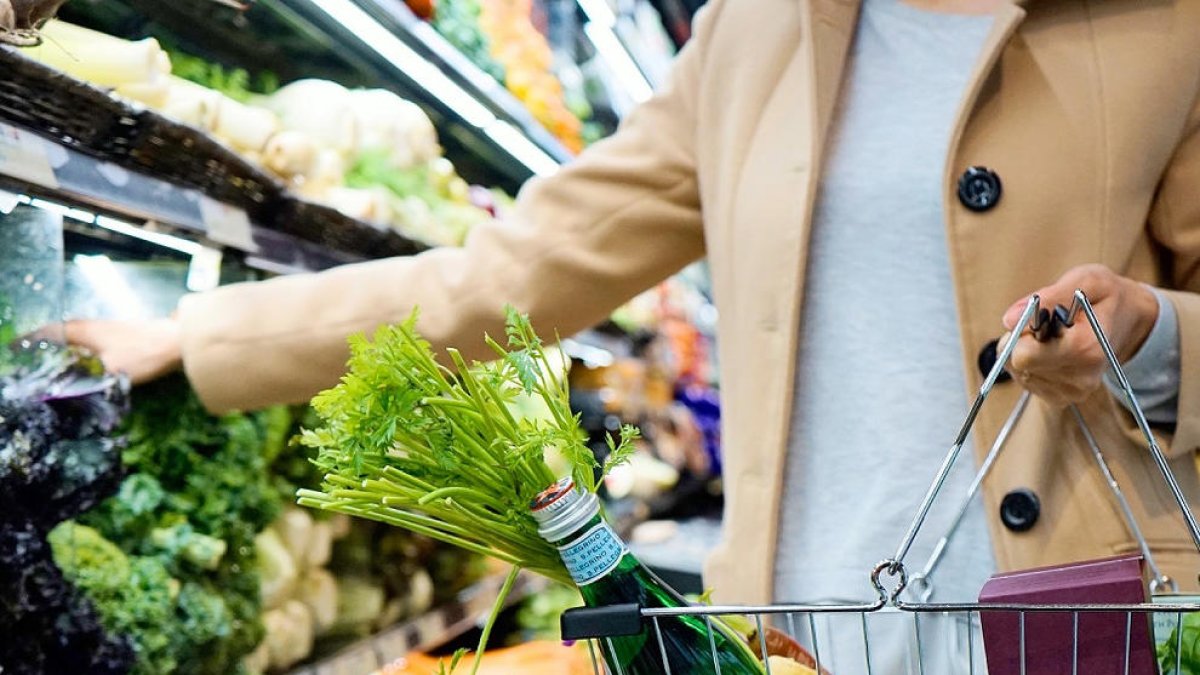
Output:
x=57 y=459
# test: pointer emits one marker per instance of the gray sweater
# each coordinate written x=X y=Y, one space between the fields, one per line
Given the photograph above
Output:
x=879 y=380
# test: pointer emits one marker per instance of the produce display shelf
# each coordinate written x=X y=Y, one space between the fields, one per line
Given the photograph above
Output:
x=471 y=109
x=37 y=166
x=427 y=631
x=77 y=120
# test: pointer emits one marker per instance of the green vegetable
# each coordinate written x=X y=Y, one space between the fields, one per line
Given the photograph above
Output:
x=1188 y=655
x=236 y=83
x=134 y=596
x=458 y=22
x=408 y=442
x=198 y=494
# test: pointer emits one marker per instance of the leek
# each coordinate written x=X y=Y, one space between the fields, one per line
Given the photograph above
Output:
x=101 y=59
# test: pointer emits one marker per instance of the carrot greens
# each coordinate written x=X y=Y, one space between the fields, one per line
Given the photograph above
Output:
x=443 y=451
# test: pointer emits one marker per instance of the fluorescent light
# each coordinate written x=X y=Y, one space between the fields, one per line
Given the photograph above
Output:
x=610 y=48
x=165 y=240
x=110 y=286
x=411 y=63
x=437 y=83
x=518 y=145
x=61 y=209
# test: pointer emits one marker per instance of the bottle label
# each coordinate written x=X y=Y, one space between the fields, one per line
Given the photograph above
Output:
x=593 y=555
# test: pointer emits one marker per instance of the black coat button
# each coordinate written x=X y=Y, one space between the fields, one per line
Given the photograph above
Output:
x=987 y=360
x=979 y=188
x=1019 y=510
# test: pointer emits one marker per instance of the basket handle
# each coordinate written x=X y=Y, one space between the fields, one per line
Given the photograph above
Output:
x=1045 y=328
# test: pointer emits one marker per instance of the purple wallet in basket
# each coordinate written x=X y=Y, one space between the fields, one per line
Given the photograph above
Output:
x=1049 y=637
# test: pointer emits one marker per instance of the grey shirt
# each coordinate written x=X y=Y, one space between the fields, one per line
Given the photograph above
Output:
x=880 y=390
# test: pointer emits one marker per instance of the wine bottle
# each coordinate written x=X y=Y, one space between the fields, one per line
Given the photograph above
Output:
x=608 y=574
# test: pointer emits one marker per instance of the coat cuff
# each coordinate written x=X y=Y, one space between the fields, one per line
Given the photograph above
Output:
x=1154 y=371
x=1185 y=439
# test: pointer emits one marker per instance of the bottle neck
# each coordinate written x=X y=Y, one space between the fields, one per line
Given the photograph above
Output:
x=591 y=552
x=570 y=519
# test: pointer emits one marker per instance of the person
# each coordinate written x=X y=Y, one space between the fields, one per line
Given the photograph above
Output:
x=878 y=186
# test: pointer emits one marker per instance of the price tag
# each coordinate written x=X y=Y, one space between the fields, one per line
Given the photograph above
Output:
x=204 y=272
x=226 y=224
x=24 y=157
x=8 y=202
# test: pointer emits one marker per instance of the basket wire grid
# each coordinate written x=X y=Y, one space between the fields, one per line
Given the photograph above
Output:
x=930 y=626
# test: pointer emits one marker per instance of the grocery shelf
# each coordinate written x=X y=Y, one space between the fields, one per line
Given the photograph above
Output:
x=114 y=198
x=427 y=631
x=409 y=54
x=117 y=198
x=489 y=135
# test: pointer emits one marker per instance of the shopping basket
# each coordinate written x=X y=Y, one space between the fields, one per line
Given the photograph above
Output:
x=927 y=626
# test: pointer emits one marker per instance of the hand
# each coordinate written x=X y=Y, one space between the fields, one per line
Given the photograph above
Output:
x=1068 y=369
x=143 y=350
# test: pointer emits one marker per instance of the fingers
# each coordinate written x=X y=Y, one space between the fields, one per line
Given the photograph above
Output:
x=1098 y=281
x=1076 y=349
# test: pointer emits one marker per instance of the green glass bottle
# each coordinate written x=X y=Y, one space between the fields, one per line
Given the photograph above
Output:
x=608 y=574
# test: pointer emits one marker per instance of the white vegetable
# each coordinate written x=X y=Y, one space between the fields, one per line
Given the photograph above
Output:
x=373 y=205
x=319 y=108
x=290 y=154
x=101 y=59
x=339 y=524
x=153 y=94
x=360 y=603
x=420 y=593
x=329 y=172
x=320 y=546
x=277 y=570
x=295 y=528
x=319 y=592
x=257 y=661
x=191 y=103
x=242 y=126
x=389 y=122
x=289 y=634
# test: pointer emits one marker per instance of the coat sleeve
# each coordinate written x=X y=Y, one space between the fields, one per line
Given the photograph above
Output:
x=615 y=221
x=1175 y=225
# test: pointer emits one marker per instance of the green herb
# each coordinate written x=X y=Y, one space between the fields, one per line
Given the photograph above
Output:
x=407 y=441
x=236 y=83
x=444 y=669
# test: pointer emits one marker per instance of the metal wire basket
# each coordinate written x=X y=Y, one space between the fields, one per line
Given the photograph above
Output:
x=944 y=638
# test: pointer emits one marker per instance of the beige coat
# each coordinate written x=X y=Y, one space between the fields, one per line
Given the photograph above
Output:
x=1086 y=109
